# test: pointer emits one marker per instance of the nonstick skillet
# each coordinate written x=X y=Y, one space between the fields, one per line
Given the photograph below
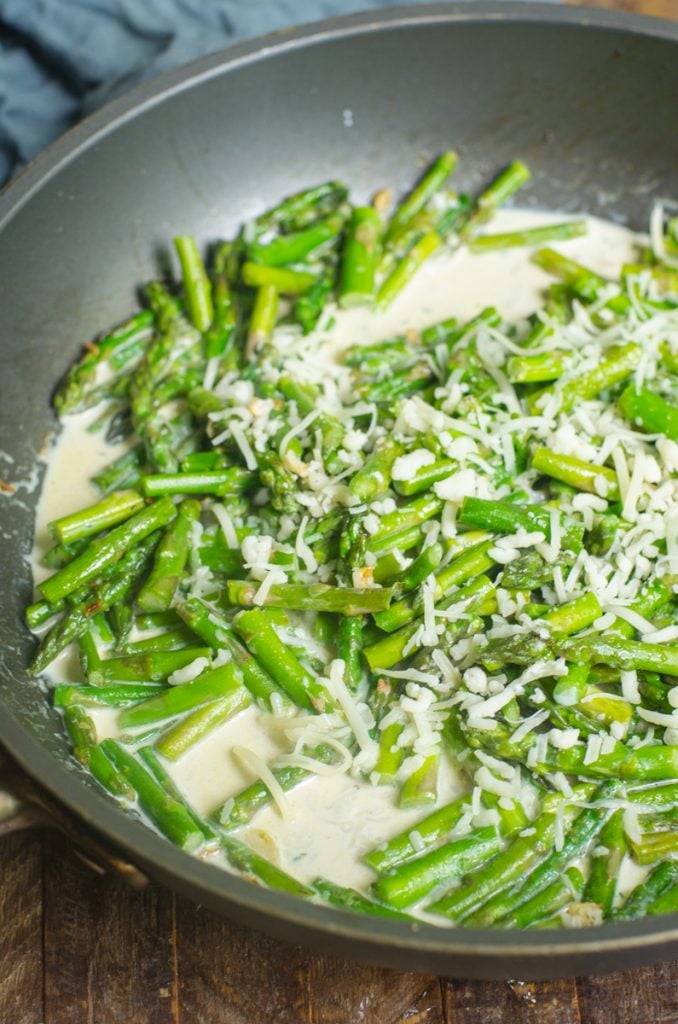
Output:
x=588 y=99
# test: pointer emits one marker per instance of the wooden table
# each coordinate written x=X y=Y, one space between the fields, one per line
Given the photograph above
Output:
x=76 y=948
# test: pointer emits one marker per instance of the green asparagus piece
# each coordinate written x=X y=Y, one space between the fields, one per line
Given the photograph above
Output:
x=412 y=880
x=498 y=191
x=665 y=903
x=81 y=731
x=585 y=282
x=177 y=739
x=575 y=615
x=285 y=280
x=220 y=482
x=505 y=517
x=585 y=476
x=211 y=685
x=110 y=511
x=655 y=846
x=544 y=904
x=214 y=630
x=166 y=813
x=533 y=369
x=359 y=258
x=421 y=787
x=309 y=307
x=529 y=236
x=434 y=178
x=601 y=884
x=660 y=880
x=125 y=471
x=406 y=268
x=169 y=560
x=429 y=831
x=241 y=808
x=467 y=566
x=412 y=514
x=317 y=597
x=624 y=654
x=197 y=285
x=614 y=366
x=79 y=382
x=304 y=207
x=40 y=612
x=168 y=640
x=576 y=841
x=646 y=409
x=349 y=649
x=389 y=650
x=253 y=866
x=146 y=668
x=511 y=865
x=425 y=477
x=109 y=696
x=258 y=634
x=263 y=318
x=297 y=246
x=426 y=562
x=112 y=591
x=160 y=774
x=374 y=477
x=107 y=775
x=107 y=550
x=351 y=899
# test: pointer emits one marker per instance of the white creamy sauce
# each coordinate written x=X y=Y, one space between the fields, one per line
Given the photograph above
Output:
x=333 y=820
x=461 y=285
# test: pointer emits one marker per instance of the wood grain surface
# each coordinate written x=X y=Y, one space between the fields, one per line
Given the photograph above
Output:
x=78 y=948
x=657 y=8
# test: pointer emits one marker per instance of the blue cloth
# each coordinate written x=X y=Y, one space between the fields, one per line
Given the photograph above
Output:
x=59 y=59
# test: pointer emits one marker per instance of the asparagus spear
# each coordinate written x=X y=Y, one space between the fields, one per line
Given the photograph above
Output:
x=215 y=631
x=434 y=559
x=433 y=179
x=257 y=632
x=211 y=685
x=528 y=236
x=166 y=813
x=317 y=597
x=359 y=259
x=197 y=284
x=107 y=550
x=660 y=880
x=110 y=511
x=206 y=717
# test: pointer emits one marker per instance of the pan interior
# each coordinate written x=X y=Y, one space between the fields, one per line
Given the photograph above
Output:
x=589 y=108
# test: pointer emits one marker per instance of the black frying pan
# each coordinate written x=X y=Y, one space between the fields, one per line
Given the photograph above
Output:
x=588 y=99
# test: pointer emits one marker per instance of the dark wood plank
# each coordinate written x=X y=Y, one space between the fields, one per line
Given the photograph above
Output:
x=658 y=8
x=512 y=1002
x=233 y=975
x=108 y=950
x=114 y=956
x=341 y=991
x=21 y=929
x=648 y=994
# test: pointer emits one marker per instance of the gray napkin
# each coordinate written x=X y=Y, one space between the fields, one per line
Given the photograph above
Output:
x=59 y=59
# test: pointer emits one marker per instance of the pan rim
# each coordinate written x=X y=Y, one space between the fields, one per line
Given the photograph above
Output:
x=95 y=809
x=117 y=111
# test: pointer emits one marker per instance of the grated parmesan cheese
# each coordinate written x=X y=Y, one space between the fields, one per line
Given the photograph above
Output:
x=260 y=769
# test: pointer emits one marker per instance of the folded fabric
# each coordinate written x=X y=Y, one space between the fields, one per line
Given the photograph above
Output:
x=59 y=59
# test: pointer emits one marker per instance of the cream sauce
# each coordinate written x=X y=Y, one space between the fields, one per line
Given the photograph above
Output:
x=333 y=820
